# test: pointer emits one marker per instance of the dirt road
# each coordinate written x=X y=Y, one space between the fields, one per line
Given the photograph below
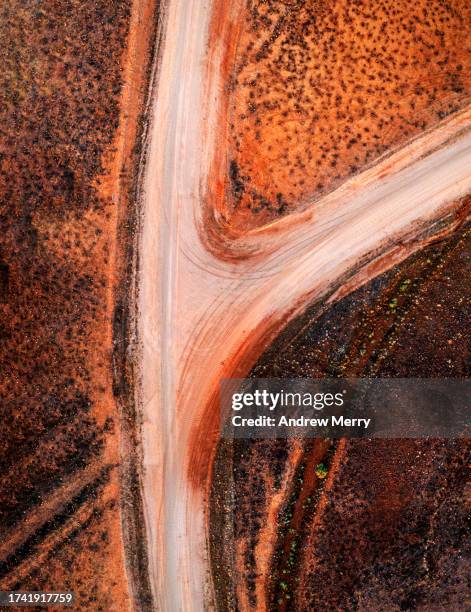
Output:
x=207 y=313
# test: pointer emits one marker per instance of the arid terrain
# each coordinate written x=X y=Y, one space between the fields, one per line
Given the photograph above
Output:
x=319 y=90
x=386 y=528
x=73 y=82
x=244 y=249
x=193 y=191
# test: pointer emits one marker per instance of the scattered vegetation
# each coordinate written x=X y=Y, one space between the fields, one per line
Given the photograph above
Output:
x=322 y=89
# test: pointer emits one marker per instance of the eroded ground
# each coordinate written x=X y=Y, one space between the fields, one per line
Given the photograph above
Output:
x=357 y=524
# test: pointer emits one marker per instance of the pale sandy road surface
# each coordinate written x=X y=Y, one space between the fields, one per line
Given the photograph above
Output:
x=202 y=318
